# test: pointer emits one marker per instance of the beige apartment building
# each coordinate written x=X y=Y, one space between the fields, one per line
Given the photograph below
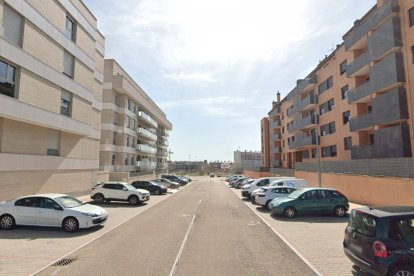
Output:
x=51 y=76
x=357 y=100
x=134 y=129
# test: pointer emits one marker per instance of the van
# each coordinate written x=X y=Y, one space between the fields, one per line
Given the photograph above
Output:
x=258 y=183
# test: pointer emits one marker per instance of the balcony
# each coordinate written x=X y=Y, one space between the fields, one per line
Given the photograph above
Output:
x=307 y=103
x=162 y=153
x=144 y=117
x=363 y=122
x=361 y=28
x=146 y=149
x=360 y=66
x=360 y=94
x=303 y=123
x=302 y=142
x=390 y=107
x=390 y=142
x=387 y=37
x=306 y=84
x=277 y=136
x=146 y=134
x=277 y=149
x=388 y=72
x=290 y=111
x=164 y=133
x=163 y=143
x=362 y=152
x=146 y=164
x=276 y=163
x=274 y=124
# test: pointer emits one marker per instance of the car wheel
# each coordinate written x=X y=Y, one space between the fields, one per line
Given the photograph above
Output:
x=340 y=211
x=268 y=205
x=289 y=212
x=7 y=222
x=70 y=224
x=157 y=192
x=402 y=270
x=99 y=198
x=172 y=186
x=133 y=200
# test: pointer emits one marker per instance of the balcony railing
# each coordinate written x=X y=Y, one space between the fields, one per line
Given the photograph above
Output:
x=361 y=122
x=302 y=141
x=146 y=164
x=359 y=63
x=147 y=133
x=359 y=93
x=146 y=148
x=302 y=123
x=147 y=118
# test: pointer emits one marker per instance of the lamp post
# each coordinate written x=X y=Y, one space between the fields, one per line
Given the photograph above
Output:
x=318 y=153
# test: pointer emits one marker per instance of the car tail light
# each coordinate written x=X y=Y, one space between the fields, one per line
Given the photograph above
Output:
x=339 y=193
x=380 y=250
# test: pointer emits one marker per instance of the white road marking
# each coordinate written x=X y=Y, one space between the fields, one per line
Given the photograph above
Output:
x=285 y=241
x=180 y=252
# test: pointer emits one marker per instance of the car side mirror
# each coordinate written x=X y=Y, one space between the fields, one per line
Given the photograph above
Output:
x=125 y=189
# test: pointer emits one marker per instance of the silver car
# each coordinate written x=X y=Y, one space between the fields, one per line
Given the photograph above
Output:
x=167 y=183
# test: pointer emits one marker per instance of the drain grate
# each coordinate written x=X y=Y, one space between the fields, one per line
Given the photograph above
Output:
x=64 y=262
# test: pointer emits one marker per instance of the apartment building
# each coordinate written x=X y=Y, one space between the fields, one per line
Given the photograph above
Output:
x=51 y=76
x=134 y=129
x=357 y=100
x=247 y=159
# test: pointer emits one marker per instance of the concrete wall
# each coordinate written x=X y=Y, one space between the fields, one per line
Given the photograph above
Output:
x=366 y=190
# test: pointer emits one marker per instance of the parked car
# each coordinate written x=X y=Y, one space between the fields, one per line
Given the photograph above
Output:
x=186 y=178
x=311 y=201
x=245 y=182
x=289 y=182
x=380 y=240
x=231 y=182
x=174 y=178
x=118 y=191
x=167 y=183
x=267 y=194
x=52 y=210
x=260 y=182
x=237 y=182
x=153 y=188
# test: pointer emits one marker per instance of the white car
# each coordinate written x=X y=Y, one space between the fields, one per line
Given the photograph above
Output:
x=167 y=183
x=288 y=182
x=53 y=210
x=267 y=194
x=119 y=191
x=258 y=183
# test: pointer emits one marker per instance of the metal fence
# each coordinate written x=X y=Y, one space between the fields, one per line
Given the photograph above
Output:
x=393 y=167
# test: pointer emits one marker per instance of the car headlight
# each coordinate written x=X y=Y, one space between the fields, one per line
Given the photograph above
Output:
x=90 y=214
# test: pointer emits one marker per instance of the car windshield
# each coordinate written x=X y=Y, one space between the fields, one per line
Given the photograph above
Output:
x=129 y=187
x=68 y=201
x=295 y=194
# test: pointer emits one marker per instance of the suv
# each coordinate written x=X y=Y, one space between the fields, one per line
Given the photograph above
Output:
x=380 y=240
x=119 y=191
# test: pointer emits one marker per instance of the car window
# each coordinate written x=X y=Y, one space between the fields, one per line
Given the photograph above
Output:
x=290 y=190
x=324 y=194
x=108 y=186
x=362 y=223
x=48 y=203
x=28 y=202
x=311 y=195
x=402 y=229
x=275 y=190
x=68 y=201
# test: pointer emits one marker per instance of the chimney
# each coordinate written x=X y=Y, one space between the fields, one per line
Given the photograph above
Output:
x=273 y=104
x=278 y=97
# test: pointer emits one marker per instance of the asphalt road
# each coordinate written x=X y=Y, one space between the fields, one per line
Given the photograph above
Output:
x=203 y=230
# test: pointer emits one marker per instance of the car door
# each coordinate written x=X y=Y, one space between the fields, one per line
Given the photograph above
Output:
x=49 y=213
x=25 y=210
x=308 y=202
x=327 y=201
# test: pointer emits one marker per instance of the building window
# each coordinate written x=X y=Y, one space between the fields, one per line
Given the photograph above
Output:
x=116 y=99
x=344 y=92
x=412 y=53
x=13 y=26
x=305 y=154
x=411 y=15
x=347 y=143
x=68 y=64
x=70 y=28
x=346 y=116
x=66 y=103
x=342 y=67
x=326 y=107
x=371 y=139
x=329 y=151
x=53 y=142
x=328 y=129
x=113 y=159
x=115 y=138
x=127 y=140
x=283 y=129
x=314 y=153
x=132 y=160
x=325 y=85
x=126 y=160
x=116 y=118
x=7 y=79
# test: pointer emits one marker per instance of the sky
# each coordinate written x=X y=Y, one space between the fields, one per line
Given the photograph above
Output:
x=214 y=66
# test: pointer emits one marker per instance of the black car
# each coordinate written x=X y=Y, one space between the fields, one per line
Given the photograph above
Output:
x=151 y=187
x=174 y=178
x=380 y=240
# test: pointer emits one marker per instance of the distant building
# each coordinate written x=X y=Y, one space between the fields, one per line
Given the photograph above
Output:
x=247 y=159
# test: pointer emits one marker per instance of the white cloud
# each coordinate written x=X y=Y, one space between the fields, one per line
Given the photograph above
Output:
x=195 y=76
